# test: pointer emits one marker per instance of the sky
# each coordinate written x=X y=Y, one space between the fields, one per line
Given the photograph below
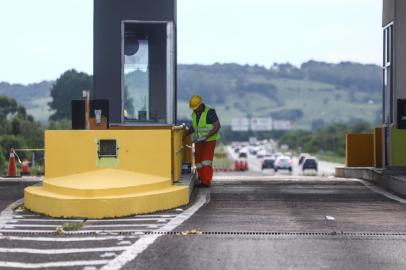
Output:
x=41 y=39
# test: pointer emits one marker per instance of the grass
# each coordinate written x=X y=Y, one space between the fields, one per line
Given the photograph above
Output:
x=317 y=100
x=331 y=157
x=72 y=226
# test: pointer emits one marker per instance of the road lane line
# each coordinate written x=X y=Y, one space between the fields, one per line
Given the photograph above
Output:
x=7 y=214
x=67 y=239
x=61 y=251
x=72 y=232
x=51 y=264
x=91 y=220
x=46 y=220
x=144 y=242
x=15 y=226
x=373 y=187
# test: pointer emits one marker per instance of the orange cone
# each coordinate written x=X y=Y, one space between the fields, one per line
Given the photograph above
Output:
x=12 y=169
x=237 y=165
x=25 y=167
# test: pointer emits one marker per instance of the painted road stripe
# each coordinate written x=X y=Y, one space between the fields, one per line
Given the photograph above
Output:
x=144 y=242
x=47 y=220
x=51 y=264
x=92 y=220
x=67 y=239
x=7 y=214
x=72 y=232
x=61 y=251
x=13 y=226
x=21 y=216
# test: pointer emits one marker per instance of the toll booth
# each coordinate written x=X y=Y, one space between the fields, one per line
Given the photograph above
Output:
x=130 y=163
x=394 y=88
x=135 y=60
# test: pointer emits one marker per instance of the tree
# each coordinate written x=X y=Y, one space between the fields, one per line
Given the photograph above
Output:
x=7 y=106
x=68 y=86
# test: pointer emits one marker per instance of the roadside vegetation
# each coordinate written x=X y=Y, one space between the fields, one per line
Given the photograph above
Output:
x=327 y=143
x=324 y=102
x=20 y=130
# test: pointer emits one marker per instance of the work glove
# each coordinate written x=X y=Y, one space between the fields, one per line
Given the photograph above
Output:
x=201 y=139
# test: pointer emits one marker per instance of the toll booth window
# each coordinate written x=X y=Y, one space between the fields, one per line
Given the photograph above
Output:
x=136 y=79
x=147 y=84
x=388 y=103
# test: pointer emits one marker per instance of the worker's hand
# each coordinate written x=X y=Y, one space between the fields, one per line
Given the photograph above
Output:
x=184 y=137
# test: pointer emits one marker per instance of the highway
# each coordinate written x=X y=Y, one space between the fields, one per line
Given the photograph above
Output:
x=246 y=220
x=254 y=164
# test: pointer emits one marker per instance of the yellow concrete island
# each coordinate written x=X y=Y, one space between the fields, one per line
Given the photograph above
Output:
x=110 y=173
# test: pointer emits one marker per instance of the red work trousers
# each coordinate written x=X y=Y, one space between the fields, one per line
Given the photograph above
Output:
x=204 y=152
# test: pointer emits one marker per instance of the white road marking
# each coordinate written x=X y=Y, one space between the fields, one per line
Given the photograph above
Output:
x=144 y=242
x=91 y=220
x=7 y=214
x=378 y=190
x=60 y=251
x=67 y=239
x=50 y=264
x=151 y=226
x=90 y=268
x=124 y=243
x=46 y=219
x=108 y=254
x=71 y=232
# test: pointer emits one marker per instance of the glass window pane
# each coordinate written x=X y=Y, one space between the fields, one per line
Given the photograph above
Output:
x=136 y=79
x=148 y=69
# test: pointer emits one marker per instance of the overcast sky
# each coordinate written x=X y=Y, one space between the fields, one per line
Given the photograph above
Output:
x=41 y=39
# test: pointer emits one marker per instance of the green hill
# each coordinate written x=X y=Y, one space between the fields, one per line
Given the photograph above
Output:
x=312 y=95
x=34 y=97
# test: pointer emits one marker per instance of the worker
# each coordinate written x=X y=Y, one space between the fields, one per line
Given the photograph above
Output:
x=205 y=129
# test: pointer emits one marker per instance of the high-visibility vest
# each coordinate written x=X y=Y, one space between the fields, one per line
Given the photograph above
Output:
x=203 y=128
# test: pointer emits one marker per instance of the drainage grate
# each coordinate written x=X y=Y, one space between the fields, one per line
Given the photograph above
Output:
x=356 y=234
x=219 y=233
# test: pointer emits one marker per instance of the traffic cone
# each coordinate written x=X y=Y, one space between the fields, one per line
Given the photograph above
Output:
x=12 y=169
x=25 y=167
x=237 y=165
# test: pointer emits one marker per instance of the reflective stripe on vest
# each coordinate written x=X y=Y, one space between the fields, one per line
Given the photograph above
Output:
x=204 y=163
x=207 y=162
x=203 y=128
x=199 y=165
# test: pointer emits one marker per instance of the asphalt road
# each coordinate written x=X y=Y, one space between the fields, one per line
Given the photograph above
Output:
x=249 y=222
x=283 y=225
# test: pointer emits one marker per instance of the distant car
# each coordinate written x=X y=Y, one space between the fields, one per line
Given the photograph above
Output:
x=309 y=163
x=253 y=150
x=283 y=163
x=268 y=163
x=261 y=153
x=242 y=155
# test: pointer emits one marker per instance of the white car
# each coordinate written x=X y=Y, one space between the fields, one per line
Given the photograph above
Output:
x=283 y=163
x=261 y=153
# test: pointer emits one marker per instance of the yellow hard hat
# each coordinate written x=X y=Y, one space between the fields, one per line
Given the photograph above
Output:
x=195 y=102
